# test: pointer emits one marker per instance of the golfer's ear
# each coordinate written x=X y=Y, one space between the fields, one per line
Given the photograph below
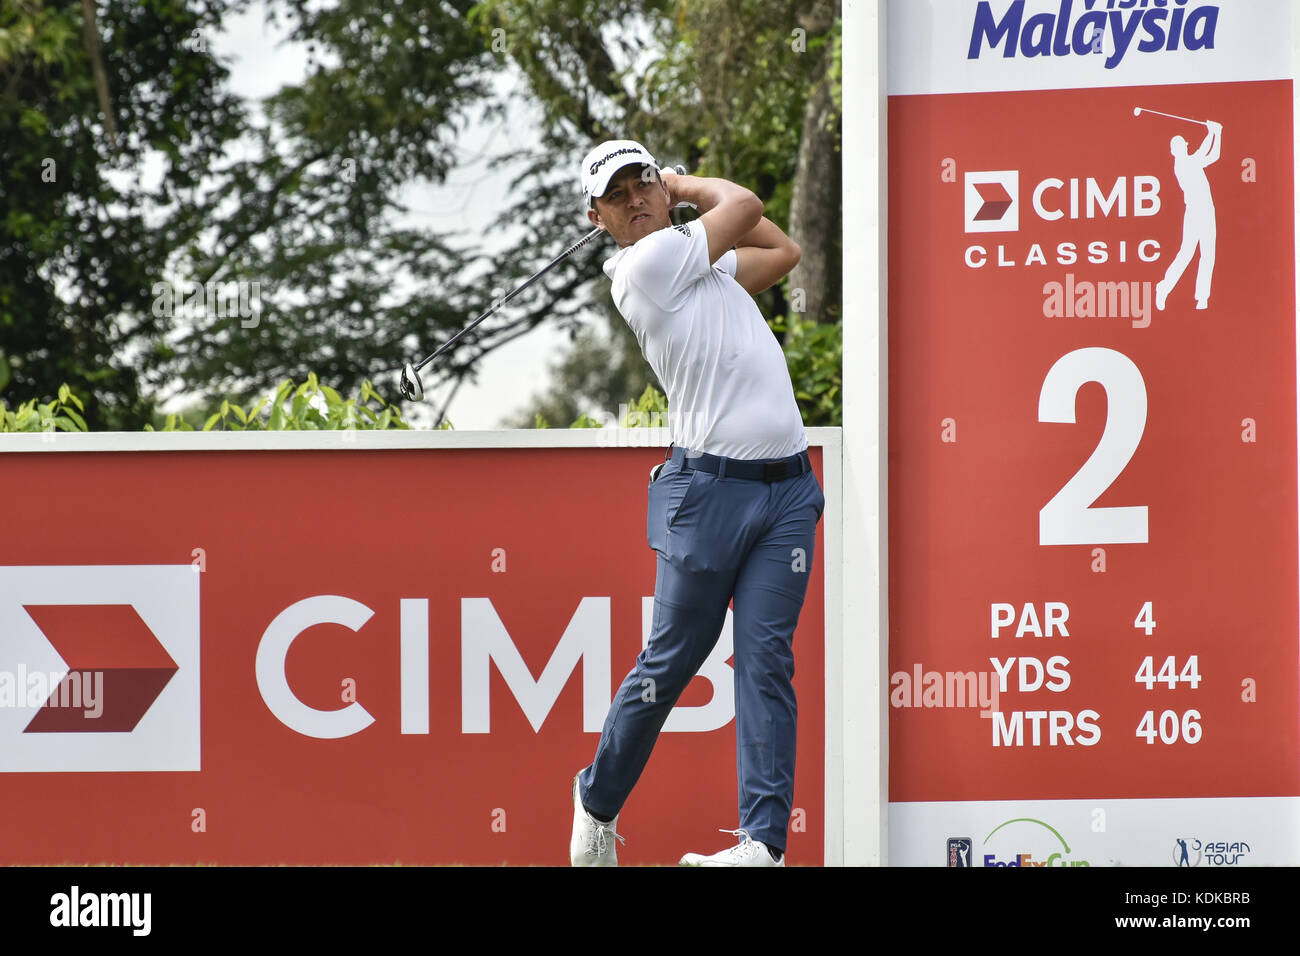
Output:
x=595 y=218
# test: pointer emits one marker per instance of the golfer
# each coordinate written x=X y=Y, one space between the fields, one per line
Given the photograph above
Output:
x=732 y=512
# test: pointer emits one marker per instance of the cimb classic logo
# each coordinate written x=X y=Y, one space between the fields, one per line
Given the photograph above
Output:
x=992 y=201
x=75 y=908
x=99 y=668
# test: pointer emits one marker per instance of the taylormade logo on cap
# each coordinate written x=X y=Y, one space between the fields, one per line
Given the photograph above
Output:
x=608 y=156
x=600 y=165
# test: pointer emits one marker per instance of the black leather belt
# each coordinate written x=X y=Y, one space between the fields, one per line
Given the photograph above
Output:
x=768 y=471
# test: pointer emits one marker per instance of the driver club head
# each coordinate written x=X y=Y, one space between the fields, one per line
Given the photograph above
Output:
x=409 y=384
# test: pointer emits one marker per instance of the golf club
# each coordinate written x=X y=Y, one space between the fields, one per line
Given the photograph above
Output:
x=409 y=384
x=1138 y=111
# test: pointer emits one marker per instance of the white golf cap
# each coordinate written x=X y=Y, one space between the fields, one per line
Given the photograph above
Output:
x=600 y=165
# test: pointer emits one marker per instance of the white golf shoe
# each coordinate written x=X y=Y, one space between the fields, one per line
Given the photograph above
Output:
x=747 y=852
x=592 y=843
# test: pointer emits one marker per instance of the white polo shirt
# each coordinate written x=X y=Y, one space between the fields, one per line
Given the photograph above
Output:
x=728 y=387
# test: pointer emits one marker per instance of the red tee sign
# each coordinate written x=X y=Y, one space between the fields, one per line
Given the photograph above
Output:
x=1093 y=550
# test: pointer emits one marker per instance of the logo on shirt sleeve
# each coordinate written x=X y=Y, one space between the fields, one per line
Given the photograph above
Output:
x=684 y=229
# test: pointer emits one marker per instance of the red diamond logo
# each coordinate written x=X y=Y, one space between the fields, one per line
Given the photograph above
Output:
x=996 y=201
x=115 y=663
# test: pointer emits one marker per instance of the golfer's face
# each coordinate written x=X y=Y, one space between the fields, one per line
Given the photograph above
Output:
x=634 y=205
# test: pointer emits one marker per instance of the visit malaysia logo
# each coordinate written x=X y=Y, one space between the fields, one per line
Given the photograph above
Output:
x=99 y=668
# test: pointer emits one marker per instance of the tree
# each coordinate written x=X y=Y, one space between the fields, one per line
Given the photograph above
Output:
x=81 y=241
x=744 y=89
x=595 y=376
x=240 y=268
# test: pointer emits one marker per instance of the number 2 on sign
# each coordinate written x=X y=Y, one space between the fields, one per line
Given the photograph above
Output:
x=1069 y=517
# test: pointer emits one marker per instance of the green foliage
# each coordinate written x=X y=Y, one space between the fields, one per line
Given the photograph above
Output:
x=721 y=85
x=316 y=213
x=310 y=406
x=814 y=354
x=83 y=236
x=586 y=421
x=35 y=416
x=598 y=371
x=648 y=411
x=729 y=92
x=309 y=205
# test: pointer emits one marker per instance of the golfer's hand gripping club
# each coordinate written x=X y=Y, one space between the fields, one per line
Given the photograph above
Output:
x=678 y=170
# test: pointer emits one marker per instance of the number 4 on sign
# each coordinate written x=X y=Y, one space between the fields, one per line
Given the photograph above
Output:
x=1144 y=619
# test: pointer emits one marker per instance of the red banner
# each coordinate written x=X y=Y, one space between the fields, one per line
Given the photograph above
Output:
x=354 y=656
x=1093 y=444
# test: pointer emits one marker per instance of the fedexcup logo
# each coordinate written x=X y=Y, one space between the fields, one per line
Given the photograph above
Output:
x=992 y=201
x=1026 y=842
x=99 y=668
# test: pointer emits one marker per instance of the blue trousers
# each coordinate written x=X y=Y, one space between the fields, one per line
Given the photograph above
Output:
x=718 y=539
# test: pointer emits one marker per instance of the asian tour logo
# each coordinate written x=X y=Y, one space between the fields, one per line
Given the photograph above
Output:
x=1108 y=29
x=1189 y=851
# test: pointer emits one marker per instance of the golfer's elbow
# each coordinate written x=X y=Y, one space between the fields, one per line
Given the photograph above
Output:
x=792 y=256
x=752 y=206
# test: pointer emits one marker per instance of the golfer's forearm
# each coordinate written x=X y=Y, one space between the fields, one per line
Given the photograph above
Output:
x=766 y=235
x=764 y=256
x=708 y=193
x=727 y=211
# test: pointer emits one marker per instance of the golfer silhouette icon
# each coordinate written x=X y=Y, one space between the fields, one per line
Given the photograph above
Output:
x=1200 y=228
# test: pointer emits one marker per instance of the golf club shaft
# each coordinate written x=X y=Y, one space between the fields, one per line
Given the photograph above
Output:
x=502 y=301
x=1185 y=119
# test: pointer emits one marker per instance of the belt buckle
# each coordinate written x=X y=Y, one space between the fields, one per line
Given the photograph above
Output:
x=775 y=471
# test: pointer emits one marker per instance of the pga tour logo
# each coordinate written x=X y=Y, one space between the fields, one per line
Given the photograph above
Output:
x=102 y=668
x=992 y=201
